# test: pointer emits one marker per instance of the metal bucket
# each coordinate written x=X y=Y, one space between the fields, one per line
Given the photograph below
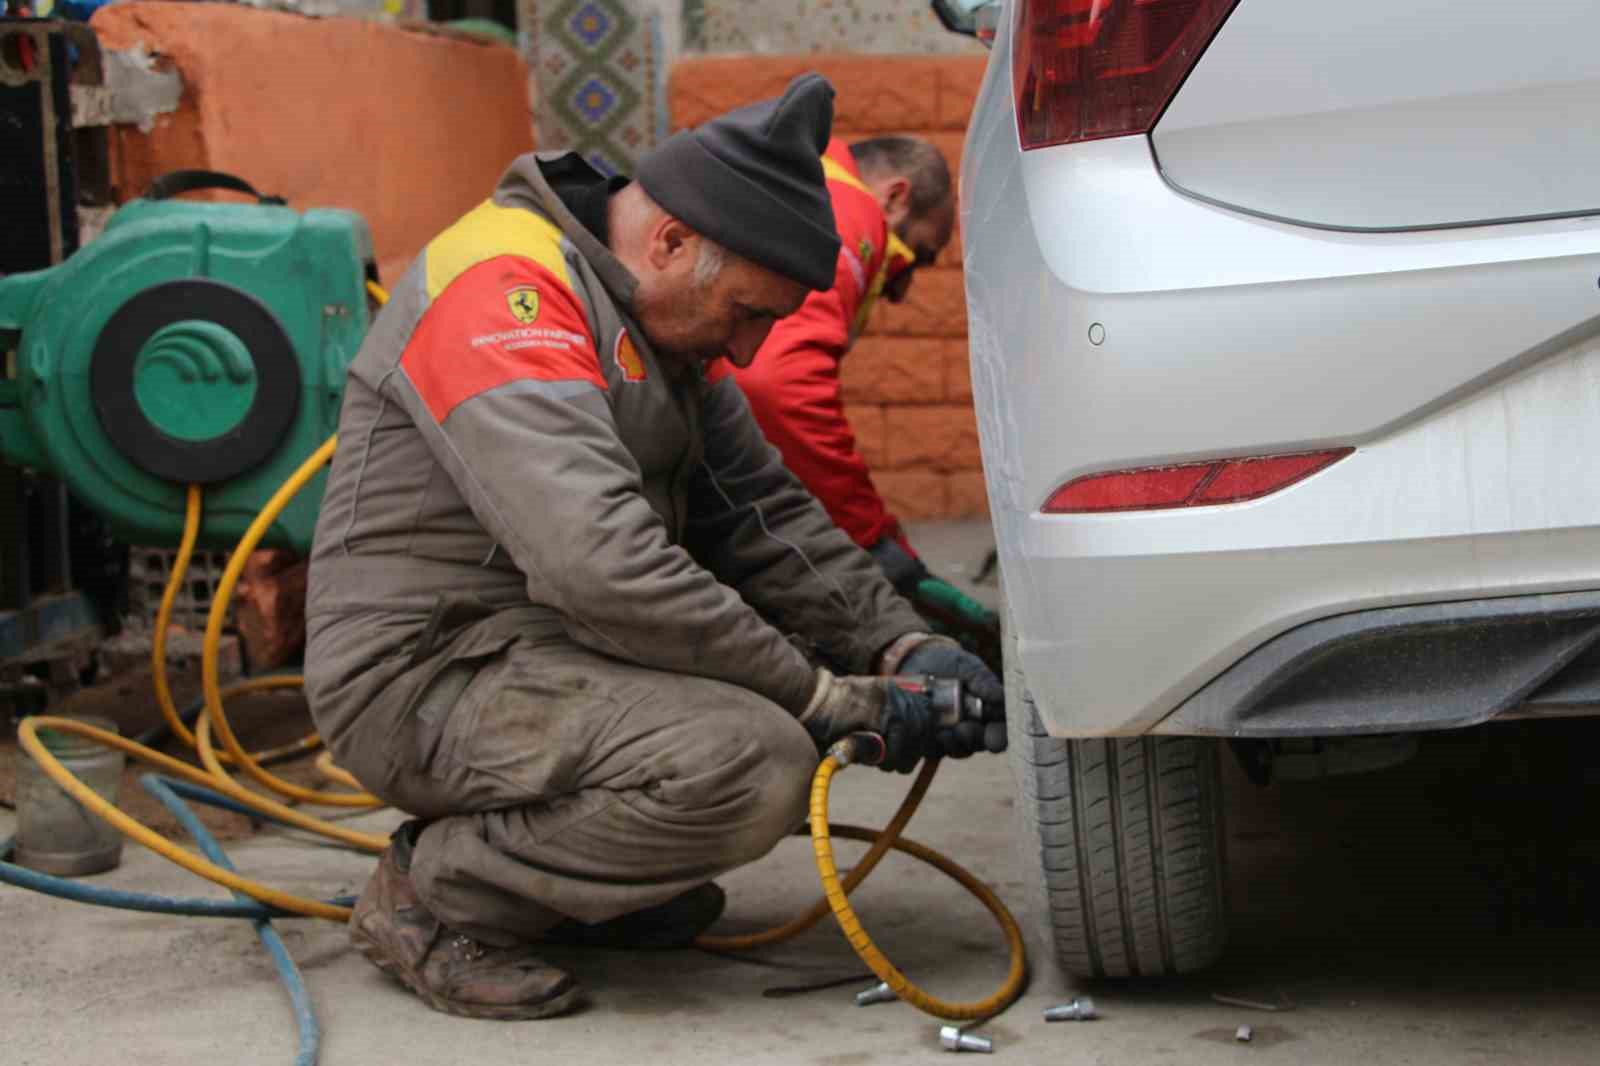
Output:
x=55 y=835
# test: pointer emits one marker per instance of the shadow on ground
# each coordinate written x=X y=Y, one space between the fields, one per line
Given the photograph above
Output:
x=1458 y=891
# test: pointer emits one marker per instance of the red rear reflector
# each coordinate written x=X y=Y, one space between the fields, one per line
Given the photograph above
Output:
x=1085 y=69
x=1189 y=484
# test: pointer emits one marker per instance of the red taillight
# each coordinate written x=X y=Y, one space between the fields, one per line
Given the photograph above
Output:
x=1084 y=69
x=1189 y=484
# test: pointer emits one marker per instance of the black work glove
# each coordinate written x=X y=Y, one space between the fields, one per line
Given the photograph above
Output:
x=843 y=705
x=902 y=568
x=943 y=657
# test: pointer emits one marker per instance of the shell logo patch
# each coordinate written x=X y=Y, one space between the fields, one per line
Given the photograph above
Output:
x=628 y=359
x=524 y=303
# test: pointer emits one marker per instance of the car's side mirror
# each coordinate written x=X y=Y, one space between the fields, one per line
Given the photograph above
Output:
x=972 y=18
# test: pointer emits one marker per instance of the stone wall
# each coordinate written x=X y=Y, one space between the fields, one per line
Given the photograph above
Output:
x=908 y=388
x=776 y=27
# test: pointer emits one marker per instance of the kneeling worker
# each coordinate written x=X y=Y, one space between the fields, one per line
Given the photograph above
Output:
x=894 y=207
x=566 y=605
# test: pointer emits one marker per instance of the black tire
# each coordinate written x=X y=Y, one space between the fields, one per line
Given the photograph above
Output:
x=1122 y=845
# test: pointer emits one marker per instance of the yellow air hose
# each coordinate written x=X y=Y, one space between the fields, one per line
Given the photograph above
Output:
x=27 y=735
x=158 y=648
x=839 y=757
x=216 y=776
x=209 y=679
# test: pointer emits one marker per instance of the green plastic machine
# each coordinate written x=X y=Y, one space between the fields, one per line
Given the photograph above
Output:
x=190 y=343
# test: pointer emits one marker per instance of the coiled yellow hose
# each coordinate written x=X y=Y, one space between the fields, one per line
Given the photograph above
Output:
x=216 y=776
x=881 y=845
x=837 y=758
x=27 y=735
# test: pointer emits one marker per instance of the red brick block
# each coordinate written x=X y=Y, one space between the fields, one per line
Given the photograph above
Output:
x=942 y=439
x=705 y=87
x=951 y=256
x=874 y=92
x=959 y=79
x=935 y=307
x=867 y=422
x=967 y=497
x=877 y=91
x=913 y=494
x=958 y=373
x=894 y=370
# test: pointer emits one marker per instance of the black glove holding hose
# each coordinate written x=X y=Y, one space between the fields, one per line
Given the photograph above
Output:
x=904 y=715
x=843 y=705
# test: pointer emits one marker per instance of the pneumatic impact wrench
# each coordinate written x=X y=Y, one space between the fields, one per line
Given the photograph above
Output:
x=951 y=703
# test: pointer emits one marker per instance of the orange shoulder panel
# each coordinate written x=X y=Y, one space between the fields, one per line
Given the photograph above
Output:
x=506 y=319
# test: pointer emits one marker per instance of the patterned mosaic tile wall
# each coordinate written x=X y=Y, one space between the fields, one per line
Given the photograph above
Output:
x=596 y=69
x=771 y=28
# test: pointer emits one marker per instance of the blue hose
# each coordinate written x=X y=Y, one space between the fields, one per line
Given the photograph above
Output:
x=168 y=792
x=63 y=888
x=305 y=1019
x=200 y=794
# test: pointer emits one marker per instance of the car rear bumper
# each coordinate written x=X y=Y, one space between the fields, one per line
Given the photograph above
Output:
x=1462 y=365
x=1408 y=669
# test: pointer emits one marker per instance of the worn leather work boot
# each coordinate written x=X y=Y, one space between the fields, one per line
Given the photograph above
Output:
x=451 y=972
x=673 y=924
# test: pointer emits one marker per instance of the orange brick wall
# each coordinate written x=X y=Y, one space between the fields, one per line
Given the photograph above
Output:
x=908 y=389
x=409 y=128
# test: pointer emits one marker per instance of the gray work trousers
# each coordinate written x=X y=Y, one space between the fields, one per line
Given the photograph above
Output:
x=559 y=783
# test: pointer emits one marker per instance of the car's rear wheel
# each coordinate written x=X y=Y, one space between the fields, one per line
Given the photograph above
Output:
x=1122 y=845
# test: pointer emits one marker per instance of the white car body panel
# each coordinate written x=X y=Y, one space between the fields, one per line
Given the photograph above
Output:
x=1463 y=365
x=1367 y=114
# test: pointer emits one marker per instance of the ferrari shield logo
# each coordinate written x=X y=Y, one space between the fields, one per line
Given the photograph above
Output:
x=864 y=250
x=524 y=303
x=628 y=360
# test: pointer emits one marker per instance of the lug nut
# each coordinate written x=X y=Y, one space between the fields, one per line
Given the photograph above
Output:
x=878 y=993
x=953 y=1039
x=1081 y=1009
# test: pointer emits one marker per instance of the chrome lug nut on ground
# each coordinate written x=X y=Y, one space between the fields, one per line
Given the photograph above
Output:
x=953 y=1039
x=878 y=993
x=1081 y=1009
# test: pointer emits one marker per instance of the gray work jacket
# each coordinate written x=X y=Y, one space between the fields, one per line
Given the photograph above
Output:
x=513 y=457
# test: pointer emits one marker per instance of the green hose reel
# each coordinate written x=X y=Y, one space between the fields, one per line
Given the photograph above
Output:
x=190 y=342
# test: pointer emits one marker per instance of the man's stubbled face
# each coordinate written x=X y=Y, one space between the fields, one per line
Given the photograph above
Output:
x=694 y=321
x=926 y=235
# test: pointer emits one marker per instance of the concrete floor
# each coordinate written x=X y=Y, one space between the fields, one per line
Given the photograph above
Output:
x=1439 y=912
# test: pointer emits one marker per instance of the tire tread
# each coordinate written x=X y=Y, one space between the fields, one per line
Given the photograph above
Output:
x=1123 y=846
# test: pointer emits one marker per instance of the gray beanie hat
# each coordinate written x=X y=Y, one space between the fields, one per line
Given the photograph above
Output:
x=751 y=180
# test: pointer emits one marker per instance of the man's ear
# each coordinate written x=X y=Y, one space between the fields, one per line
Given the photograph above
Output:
x=671 y=244
x=894 y=196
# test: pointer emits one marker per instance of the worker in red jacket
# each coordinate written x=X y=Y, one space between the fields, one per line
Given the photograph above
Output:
x=894 y=208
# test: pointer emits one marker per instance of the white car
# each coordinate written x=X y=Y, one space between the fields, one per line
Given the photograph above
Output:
x=1285 y=328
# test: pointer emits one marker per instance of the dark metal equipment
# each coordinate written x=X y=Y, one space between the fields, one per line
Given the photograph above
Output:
x=50 y=548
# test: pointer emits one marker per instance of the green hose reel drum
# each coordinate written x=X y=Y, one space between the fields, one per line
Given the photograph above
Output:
x=190 y=342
